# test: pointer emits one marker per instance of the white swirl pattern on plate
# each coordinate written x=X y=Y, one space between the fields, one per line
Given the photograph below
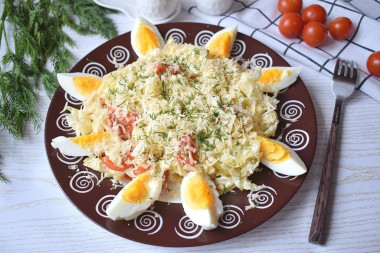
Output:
x=72 y=100
x=102 y=205
x=150 y=221
x=188 y=229
x=297 y=139
x=203 y=37
x=291 y=110
x=238 y=49
x=94 y=68
x=147 y=221
x=231 y=217
x=262 y=60
x=63 y=124
x=284 y=176
x=70 y=160
x=83 y=181
x=118 y=55
x=264 y=198
x=178 y=35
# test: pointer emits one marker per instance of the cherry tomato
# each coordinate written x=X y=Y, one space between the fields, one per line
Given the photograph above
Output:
x=285 y=6
x=373 y=64
x=314 y=34
x=341 y=28
x=290 y=25
x=314 y=12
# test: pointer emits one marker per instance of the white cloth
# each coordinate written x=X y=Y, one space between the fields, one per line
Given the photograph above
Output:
x=368 y=7
x=260 y=18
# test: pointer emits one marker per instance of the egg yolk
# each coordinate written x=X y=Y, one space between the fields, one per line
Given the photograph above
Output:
x=272 y=76
x=137 y=190
x=90 y=139
x=220 y=46
x=146 y=40
x=273 y=151
x=198 y=194
x=85 y=85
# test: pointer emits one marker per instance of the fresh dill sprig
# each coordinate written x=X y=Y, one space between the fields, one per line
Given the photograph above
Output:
x=39 y=39
x=2 y=177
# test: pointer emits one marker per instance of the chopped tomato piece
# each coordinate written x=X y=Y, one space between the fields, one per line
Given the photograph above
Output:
x=161 y=69
x=165 y=182
x=186 y=151
x=122 y=121
x=102 y=102
x=176 y=71
x=128 y=156
x=140 y=169
x=106 y=160
x=127 y=177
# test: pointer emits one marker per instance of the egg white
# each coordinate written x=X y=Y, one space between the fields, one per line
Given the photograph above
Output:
x=207 y=218
x=120 y=209
x=143 y=22
x=172 y=193
x=285 y=80
x=66 y=81
x=215 y=37
x=293 y=166
x=67 y=147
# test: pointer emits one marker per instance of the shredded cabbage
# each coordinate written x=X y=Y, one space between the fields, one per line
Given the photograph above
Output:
x=216 y=102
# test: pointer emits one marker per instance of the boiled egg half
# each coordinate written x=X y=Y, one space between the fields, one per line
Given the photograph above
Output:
x=278 y=78
x=79 y=85
x=145 y=38
x=280 y=158
x=221 y=43
x=137 y=196
x=200 y=200
x=76 y=146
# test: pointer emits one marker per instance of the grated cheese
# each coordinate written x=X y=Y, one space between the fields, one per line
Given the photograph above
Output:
x=215 y=101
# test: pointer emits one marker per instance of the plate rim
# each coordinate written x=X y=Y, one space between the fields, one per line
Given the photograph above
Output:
x=173 y=25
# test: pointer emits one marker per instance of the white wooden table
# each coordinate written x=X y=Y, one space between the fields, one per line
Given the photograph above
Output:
x=35 y=215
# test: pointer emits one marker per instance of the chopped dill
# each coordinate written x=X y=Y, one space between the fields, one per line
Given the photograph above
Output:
x=218 y=134
x=142 y=125
x=243 y=94
x=203 y=143
x=163 y=135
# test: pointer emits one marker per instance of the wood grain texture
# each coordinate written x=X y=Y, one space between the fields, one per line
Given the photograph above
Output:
x=35 y=215
x=317 y=230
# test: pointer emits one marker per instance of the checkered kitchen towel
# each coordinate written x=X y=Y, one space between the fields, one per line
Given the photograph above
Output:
x=260 y=18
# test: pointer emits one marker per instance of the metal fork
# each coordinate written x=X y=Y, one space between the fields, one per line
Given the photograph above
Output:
x=342 y=86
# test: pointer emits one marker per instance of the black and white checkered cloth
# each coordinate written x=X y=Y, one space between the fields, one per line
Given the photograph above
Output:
x=260 y=18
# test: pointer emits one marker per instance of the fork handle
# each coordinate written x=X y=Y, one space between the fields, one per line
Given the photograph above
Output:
x=317 y=234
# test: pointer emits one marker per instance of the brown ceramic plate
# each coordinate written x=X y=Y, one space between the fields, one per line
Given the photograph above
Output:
x=167 y=225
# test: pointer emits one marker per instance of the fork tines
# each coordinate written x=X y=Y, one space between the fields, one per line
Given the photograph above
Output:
x=343 y=66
